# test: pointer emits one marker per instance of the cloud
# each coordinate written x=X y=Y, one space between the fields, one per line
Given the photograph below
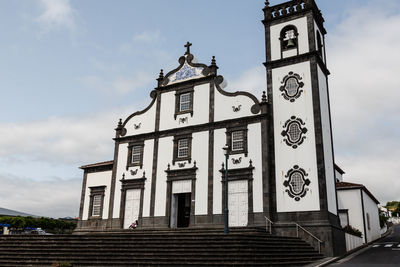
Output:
x=119 y=84
x=52 y=198
x=59 y=140
x=147 y=37
x=363 y=58
x=56 y=14
x=252 y=80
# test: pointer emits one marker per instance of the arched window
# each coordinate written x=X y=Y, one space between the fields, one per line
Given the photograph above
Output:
x=319 y=43
x=288 y=38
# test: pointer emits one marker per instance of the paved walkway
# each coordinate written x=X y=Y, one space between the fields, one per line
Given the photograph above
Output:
x=384 y=253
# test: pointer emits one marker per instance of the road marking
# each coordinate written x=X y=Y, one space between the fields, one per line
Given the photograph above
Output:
x=375 y=246
x=398 y=245
x=388 y=245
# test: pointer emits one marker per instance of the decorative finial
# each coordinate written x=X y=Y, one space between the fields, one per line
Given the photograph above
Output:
x=123 y=176
x=267 y=3
x=120 y=123
x=264 y=97
x=250 y=163
x=223 y=165
x=160 y=78
x=188 y=45
x=144 y=174
x=168 y=166
x=194 y=164
x=213 y=62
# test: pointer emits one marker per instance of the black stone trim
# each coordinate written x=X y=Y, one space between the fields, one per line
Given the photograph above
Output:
x=210 y=188
x=286 y=132
x=229 y=131
x=306 y=182
x=311 y=56
x=95 y=191
x=316 y=13
x=178 y=94
x=175 y=157
x=255 y=109
x=112 y=187
x=363 y=215
x=238 y=175
x=129 y=162
x=300 y=85
x=194 y=128
x=155 y=156
x=127 y=184
x=103 y=168
x=179 y=175
x=153 y=95
x=270 y=155
x=319 y=145
x=83 y=193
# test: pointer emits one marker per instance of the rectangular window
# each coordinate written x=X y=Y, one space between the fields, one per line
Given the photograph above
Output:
x=184 y=102
x=96 y=205
x=136 y=154
x=237 y=141
x=183 y=148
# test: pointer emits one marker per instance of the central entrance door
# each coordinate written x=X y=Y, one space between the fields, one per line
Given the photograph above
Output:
x=132 y=206
x=238 y=203
x=180 y=203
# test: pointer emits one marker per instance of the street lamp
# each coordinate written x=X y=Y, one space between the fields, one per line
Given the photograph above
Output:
x=226 y=153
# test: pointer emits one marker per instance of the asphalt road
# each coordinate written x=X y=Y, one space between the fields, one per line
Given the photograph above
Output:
x=385 y=252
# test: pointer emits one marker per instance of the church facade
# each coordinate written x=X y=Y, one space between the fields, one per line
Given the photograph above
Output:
x=169 y=165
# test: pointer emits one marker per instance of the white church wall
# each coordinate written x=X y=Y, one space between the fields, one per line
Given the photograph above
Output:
x=148 y=168
x=201 y=105
x=301 y=25
x=121 y=169
x=219 y=158
x=327 y=142
x=165 y=152
x=254 y=149
x=224 y=106
x=200 y=155
x=371 y=208
x=305 y=155
x=145 y=123
x=350 y=199
x=97 y=179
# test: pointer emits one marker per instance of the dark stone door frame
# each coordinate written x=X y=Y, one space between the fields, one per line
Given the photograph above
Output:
x=180 y=175
x=131 y=184
x=238 y=175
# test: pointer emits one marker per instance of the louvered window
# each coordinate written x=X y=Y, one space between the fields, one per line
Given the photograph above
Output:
x=96 y=209
x=136 y=154
x=237 y=141
x=183 y=148
x=184 y=102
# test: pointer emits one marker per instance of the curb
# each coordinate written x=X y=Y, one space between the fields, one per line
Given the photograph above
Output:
x=326 y=263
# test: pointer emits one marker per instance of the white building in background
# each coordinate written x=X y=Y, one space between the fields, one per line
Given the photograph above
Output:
x=168 y=168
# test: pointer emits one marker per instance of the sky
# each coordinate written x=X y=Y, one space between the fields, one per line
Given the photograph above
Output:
x=70 y=69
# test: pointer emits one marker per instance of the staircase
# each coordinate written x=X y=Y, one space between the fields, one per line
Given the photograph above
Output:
x=207 y=247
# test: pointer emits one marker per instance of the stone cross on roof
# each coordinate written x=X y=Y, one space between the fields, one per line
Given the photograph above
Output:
x=188 y=45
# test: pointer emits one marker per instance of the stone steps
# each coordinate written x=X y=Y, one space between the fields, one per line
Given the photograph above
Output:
x=187 y=247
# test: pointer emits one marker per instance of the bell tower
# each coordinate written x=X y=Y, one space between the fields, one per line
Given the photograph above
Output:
x=301 y=170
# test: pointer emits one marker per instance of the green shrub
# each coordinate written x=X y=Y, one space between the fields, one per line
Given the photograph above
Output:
x=353 y=231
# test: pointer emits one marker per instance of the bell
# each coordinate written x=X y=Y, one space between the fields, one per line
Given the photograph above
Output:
x=290 y=43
